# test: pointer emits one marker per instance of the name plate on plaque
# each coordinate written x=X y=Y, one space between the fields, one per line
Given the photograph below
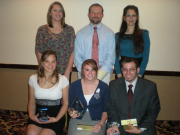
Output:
x=84 y=127
x=125 y=123
x=77 y=106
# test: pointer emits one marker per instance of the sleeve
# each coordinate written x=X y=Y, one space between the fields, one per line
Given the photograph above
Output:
x=146 y=51
x=71 y=94
x=105 y=98
x=117 y=65
x=153 y=109
x=78 y=52
x=110 y=57
x=72 y=38
x=39 y=41
x=65 y=81
x=111 y=106
x=30 y=81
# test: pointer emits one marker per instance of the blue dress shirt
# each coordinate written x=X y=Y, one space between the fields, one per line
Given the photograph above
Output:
x=106 y=48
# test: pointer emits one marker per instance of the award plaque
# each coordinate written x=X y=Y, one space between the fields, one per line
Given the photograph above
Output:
x=84 y=127
x=77 y=106
x=42 y=115
x=125 y=123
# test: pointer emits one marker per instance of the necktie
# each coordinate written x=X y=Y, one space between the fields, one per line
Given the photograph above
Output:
x=95 y=43
x=130 y=95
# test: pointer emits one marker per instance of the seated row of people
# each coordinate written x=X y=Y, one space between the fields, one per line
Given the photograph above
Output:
x=127 y=98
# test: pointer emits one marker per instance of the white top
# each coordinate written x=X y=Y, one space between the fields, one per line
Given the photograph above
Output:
x=133 y=83
x=88 y=98
x=52 y=93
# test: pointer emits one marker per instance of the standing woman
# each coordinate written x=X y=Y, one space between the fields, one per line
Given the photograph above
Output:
x=46 y=88
x=94 y=95
x=57 y=36
x=132 y=41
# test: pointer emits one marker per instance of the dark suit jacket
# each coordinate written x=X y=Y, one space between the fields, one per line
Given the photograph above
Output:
x=145 y=105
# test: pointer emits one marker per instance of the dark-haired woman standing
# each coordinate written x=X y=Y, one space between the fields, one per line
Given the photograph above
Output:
x=132 y=41
x=57 y=36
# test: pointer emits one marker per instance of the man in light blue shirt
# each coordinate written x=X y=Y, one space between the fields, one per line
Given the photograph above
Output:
x=106 y=47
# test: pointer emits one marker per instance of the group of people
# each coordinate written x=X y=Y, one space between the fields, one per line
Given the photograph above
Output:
x=94 y=50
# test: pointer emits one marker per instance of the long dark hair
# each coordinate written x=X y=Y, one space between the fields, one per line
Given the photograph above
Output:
x=40 y=72
x=136 y=36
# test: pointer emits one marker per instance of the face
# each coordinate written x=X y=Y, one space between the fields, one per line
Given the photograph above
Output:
x=129 y=71
x=131 y=17
x=95 y=15
x=56 y=13
x=89 y=73
x=49 y=64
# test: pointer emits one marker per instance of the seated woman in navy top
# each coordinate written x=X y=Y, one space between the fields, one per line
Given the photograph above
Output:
x=132 y=41
x=94 y=95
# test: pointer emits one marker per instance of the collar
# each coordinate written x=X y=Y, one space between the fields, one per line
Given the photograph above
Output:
x=133 y=83
x=92 y=26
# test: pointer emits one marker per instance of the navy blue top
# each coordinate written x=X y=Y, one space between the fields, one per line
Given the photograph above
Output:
x=96 y=106
x=127 y=50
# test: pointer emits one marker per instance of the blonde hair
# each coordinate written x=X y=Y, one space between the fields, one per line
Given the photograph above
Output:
x=49 y=19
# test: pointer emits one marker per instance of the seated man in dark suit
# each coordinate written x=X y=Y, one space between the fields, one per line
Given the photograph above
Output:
x=133 y=97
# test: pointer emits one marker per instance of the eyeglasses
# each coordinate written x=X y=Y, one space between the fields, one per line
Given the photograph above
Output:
x=130 y=70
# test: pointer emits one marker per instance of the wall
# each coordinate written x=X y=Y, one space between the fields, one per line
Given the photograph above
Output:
x=20 y=20
x=14 y=91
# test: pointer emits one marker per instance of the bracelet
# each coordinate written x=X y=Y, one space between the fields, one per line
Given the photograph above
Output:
x=115 y=123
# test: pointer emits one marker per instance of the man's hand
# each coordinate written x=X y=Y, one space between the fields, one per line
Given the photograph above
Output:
x=133 y=130
x=112 y=130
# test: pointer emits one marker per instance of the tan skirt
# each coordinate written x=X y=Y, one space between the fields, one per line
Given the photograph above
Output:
x=72 y=129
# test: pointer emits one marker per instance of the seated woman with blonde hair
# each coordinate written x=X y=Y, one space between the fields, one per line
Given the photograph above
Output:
x=46 y=88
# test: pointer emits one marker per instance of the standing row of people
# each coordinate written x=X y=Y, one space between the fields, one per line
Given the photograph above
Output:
x=95 y=41
x=130 y=41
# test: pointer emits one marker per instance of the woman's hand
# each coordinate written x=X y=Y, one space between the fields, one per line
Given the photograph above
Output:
x=97 y=128
x=34 y=118
x=119 y=75
x=139 y=75
x=51 y=120
x=73 y=114
x=67 y=75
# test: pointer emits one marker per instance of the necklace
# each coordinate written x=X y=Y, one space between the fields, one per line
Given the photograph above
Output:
x=88 y=90
x=47 y=80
